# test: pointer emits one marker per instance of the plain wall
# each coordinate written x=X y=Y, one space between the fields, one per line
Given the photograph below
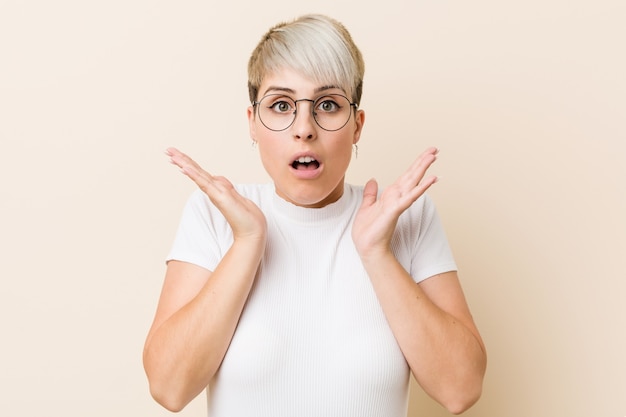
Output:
x=526 y=100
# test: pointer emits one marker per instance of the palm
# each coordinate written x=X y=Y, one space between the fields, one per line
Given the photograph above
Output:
x=244 y=217
x=377 y=217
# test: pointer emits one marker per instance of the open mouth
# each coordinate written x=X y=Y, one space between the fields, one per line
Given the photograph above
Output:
x=305 y=163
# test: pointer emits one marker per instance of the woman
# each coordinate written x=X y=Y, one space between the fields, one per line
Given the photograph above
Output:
x=310 y=296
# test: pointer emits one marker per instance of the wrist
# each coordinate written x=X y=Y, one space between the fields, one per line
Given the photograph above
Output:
x=253 y=245
x=376 y=255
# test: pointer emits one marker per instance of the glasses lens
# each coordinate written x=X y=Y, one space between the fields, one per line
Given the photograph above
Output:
x=278 y=112
x=332 y=112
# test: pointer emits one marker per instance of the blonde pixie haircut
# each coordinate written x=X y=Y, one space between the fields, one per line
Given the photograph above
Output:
x=317 y=46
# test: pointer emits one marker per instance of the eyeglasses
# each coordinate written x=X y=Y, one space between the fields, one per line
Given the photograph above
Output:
x=331 y=112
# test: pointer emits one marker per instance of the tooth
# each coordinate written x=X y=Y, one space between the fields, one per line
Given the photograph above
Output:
x=305 y=159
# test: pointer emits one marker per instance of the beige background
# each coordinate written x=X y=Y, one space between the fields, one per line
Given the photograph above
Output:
x=527 y=101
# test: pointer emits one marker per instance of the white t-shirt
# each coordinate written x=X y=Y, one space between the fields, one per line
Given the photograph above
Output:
x=312 y=339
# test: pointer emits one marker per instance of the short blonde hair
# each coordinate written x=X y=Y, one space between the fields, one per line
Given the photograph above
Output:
x=316 y=46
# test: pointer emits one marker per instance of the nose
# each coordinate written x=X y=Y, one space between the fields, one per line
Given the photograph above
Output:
x=304 y=125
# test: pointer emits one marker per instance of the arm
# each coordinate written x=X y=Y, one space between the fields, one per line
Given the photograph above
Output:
x=435 y=331
x=198 y=309
x=430 y=320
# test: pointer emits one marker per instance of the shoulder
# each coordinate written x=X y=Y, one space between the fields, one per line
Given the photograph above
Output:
x=254 y=192
x=423 y=207
x=353 y=193
x=419 y=218
x=258 y=193
x=353 y=190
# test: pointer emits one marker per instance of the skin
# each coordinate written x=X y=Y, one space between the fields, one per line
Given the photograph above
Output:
x=278 y=150
x=198 y=309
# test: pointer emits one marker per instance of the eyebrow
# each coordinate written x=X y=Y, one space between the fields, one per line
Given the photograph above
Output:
x=292 y=91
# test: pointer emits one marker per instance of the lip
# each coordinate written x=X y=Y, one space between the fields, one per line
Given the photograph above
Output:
x=306 y=174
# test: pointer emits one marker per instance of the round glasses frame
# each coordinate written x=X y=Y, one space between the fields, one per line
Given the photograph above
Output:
x=314 y=104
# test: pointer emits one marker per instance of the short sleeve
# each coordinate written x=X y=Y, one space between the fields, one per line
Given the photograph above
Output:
x=430 y=250
x=202 y=234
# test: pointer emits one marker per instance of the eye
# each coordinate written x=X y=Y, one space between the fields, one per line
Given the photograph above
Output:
x=327 y=105
x=281 y=106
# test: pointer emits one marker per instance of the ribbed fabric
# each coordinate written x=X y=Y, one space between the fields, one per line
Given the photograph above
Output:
x=312 y=339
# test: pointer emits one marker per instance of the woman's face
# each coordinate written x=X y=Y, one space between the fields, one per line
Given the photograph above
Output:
x=319 y=181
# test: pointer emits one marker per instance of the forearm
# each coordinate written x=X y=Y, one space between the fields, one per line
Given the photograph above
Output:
x=445 y=352
x=185 y=351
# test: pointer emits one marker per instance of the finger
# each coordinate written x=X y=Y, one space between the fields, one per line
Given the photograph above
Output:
x=418 y=168
x=181 y=159
x=425 y=160
x=173 y=152
x=370 y=192
x=185 y=163
x=191 y=169
x=414 y=183
x=423 y=185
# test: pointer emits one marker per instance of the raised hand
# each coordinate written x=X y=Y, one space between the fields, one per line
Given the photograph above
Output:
x=244 y=217
x=376 y=219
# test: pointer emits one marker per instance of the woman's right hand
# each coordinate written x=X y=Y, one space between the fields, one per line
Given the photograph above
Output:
x=245 y=218
x=199 y=309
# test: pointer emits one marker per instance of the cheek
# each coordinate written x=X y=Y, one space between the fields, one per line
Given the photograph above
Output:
x=344 y=146
x=339 y=157
x=270 y=152
x=269 y=165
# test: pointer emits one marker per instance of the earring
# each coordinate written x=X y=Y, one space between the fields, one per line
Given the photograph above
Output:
x=356 y=150
x=254 y=143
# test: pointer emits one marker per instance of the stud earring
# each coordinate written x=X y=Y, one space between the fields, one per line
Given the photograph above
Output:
x=254 y=143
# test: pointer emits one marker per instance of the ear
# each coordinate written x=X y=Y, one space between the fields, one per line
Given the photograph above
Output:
x=251 y=123
x=359 y=119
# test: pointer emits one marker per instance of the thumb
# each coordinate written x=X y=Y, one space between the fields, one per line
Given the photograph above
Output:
x=370 y=192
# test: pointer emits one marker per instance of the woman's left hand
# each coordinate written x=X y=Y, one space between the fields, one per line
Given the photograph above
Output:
x=376 y=219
